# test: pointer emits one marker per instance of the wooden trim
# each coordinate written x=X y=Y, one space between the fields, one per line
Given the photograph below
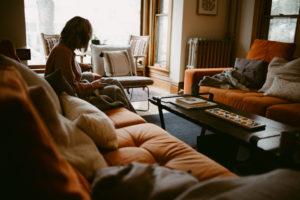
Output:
x=169 y=34
x=176 y=87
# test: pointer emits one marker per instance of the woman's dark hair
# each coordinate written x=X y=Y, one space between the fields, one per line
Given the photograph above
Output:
x=77 y=33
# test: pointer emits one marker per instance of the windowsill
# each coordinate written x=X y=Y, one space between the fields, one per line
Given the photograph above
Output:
x=159 y=69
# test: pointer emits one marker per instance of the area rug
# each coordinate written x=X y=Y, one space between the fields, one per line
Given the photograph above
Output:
x=140 y=94
x=180 y=128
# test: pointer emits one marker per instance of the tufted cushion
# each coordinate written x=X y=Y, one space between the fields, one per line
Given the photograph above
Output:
x=148 y=143
x=122 y=117
x=31 y=165
x=267 y=50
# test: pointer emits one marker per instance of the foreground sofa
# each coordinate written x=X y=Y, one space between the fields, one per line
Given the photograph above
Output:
x=37 y=161
x=252 y=101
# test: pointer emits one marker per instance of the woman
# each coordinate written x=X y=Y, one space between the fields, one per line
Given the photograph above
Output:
x=105 y=94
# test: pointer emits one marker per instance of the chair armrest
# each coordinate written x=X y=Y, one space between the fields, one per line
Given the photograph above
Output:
x=193 y=76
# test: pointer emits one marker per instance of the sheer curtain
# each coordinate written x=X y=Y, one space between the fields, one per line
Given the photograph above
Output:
x=113 y=21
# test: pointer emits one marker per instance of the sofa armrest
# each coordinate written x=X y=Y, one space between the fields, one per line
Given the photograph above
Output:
x=193 y=76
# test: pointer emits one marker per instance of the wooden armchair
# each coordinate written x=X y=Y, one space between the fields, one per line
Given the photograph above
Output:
x=139 y=47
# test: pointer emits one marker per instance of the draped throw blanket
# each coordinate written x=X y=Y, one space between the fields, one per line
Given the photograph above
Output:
x=228 y=79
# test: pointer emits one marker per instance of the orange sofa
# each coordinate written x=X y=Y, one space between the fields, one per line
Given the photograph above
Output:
x=31 y=159
x=252 y=101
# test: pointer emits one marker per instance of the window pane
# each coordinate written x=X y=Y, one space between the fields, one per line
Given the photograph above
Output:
x=164 y=6
x=282 y=29
x=161 y=41
x=113 y=21
x=286 y=7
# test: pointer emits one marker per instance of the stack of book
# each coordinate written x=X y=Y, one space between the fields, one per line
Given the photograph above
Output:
x=192 y=102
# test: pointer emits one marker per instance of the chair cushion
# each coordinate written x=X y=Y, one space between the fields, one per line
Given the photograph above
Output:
x=134 y=81
x=31 y=165
x=98 y=61
x=116 y=63
x=148 y=143
x=267 y=50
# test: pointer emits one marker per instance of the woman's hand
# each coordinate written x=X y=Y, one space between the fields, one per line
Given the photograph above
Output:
x=96 y=76
x=97 y=84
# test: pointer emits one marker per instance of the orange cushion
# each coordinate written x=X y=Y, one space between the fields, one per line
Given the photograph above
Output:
x=148 y=143
x=235 y=99
x=122 y=117
x=32 y=166
x=267 y=50
x=285 y=113
x=258 y=105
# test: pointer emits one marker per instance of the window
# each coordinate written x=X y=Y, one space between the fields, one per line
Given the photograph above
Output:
x=113 y=21
x=280 y=20
x=161 y=33
x=283 y=20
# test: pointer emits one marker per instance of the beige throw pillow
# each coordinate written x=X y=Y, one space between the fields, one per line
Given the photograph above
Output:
x=280 y=67
x=116 y=63
x=91 y=120
x=73 y=144
x=284 y=89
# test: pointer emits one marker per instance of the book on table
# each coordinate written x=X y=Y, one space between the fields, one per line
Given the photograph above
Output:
x=192 y=102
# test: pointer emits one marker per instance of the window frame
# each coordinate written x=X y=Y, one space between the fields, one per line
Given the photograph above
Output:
x=262 y=17
x=153 y=24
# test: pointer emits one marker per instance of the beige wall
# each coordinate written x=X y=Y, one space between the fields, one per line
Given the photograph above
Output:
x=193 y=25
x=12 y=22
x=244 y=27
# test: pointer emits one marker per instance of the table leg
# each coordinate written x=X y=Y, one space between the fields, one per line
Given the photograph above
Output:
x=161 y=116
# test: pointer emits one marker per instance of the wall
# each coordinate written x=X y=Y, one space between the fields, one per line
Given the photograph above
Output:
x=244 y=27
x=190 y=24
x=12 y=17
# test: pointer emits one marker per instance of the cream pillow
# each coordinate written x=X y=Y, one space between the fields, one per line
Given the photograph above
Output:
x=116 y=63
x=287 y=70
x=91 y=120
x=73 y=144
x=284 y=89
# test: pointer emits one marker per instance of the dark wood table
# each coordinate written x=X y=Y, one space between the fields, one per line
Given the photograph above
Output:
x=266 y=138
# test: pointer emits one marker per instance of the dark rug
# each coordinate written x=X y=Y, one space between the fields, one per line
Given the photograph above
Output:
x=140 y=94
x=182 y=129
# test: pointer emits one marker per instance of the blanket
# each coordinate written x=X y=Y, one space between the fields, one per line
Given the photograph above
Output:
x=112 y=95
x=137 y=181
x=228 y=79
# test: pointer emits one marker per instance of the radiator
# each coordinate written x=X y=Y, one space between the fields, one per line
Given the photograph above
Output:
x=204 y=53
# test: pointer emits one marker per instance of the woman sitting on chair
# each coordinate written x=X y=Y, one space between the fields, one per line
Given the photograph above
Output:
x=104 y=94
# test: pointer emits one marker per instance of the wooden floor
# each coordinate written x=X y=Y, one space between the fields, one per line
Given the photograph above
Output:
x=152 y=108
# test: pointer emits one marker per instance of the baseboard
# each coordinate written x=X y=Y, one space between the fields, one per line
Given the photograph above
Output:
x=161 y=79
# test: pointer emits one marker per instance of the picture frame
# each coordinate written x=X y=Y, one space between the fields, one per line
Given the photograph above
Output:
x=207 y=7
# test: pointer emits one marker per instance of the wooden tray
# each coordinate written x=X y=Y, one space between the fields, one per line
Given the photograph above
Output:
x=235 y=118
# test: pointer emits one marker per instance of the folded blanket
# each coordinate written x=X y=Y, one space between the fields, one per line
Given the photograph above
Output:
x=228 y=79
x=140 y=181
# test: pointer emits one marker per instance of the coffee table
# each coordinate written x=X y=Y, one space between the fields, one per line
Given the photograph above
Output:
x=267 y=138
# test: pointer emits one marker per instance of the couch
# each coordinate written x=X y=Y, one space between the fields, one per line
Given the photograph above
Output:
x=44 y=153
x=49 y=152
x=255 y=101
